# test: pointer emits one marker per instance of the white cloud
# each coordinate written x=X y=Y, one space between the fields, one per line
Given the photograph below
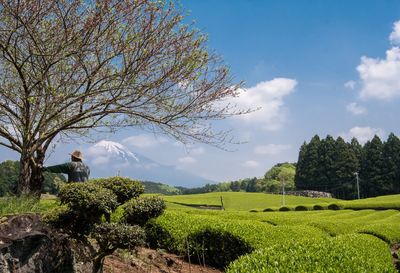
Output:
x=144 y=141
x=356 y=109
x=363 y=134
x=187 y=160
x=271 y=149
x=395 y=35
x=269 y=97
x=251 y=164
x=381 y=77
x=350 y=85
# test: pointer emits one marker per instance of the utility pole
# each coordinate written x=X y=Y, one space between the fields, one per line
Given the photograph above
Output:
x=283 y=192
x=358 y=184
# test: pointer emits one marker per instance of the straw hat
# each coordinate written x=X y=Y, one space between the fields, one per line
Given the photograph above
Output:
x=77 y=154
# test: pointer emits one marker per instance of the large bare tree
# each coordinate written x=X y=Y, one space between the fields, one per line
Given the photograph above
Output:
x=70 y=66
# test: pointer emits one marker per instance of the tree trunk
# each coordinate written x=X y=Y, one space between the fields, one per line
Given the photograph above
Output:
x=31 y=173
x=98 y=262
x=37 y=177
x=24 y=174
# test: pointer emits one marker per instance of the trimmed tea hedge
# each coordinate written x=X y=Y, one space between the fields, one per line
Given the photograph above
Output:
x=353 y=253
x=217 y=240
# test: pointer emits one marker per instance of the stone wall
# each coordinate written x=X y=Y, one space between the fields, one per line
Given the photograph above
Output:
x=313 y=194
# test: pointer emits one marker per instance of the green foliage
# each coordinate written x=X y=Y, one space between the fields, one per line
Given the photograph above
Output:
x=245 y=201
x=16 y=205
x=335 y=206
x=388 y=232
x=372 y=169
x=282 y=173
x=307 y=170
x=71 y=222
x=220 y=240
x=349 y=254
x=268 y=209
x=215 y=235
x=85 y=205
x=9 y=171
x=111 y=236
x=124 y=188
x=330 y=165
x=391 y=154
x=301 y=208
x=88 y=198
x=153 y=187
x=217 y=246
x=139 y=211
x=318 y=207
x=284 y=208
x=9 y=175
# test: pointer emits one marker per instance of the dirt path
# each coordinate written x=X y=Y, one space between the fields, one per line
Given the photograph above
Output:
x=152 y=261
x=395 y=249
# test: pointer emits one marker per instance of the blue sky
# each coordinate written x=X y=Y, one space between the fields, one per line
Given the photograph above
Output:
x=315 y=67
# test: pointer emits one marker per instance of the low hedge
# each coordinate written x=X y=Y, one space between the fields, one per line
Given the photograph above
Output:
x=284 y=208
x=353 y=253
x=218 y=240
x=318 y=207
x=335 y=206
x=390 y=233
x=301 y=208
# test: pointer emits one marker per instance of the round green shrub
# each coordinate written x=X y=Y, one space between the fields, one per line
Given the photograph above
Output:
x=300 y=208
x=70 y=222
x=284 y=209
x=267 y=210
x=335 y=207
x=218 y=247
x=124 y=188
x=318 y=207
x=88 y=198
x=157 y=237
x=139 y=211
x=116 y=235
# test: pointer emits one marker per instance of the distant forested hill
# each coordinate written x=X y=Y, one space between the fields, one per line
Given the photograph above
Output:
x=154 y=187
x=9 y=172
x=334 y=165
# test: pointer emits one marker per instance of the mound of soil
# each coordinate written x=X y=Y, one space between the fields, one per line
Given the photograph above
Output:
x=152 y=261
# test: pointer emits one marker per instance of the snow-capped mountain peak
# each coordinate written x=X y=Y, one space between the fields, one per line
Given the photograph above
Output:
x=107 y=158
x=115 y=148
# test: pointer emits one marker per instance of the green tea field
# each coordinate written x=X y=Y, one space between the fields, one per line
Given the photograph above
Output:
x=244 y=201
x=240 y=241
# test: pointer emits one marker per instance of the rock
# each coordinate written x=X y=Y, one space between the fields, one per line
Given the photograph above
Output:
x=312 y=194
x=27 y=246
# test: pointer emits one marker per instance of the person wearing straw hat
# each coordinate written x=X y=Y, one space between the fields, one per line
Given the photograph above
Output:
x=76 y=170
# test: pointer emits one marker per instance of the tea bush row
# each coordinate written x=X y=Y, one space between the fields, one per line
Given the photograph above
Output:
x=352 y=253
x=218 y=240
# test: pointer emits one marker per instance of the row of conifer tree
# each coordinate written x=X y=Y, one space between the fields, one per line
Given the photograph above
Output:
x=331 y=165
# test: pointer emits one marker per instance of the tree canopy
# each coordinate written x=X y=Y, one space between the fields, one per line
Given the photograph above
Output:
x=71 y=66
x=331 y=165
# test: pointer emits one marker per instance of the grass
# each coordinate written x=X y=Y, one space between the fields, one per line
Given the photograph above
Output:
x=245 y=201
x=17 y=205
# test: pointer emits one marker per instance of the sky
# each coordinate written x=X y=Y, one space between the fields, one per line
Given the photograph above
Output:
x=313 y=67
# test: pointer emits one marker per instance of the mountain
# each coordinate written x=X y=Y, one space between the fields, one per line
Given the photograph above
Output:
x=109 y=158
x=154 y=187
